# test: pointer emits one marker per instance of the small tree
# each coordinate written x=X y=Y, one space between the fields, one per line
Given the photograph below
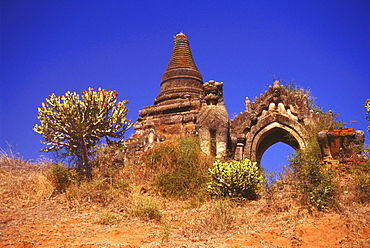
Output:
x=77 y=125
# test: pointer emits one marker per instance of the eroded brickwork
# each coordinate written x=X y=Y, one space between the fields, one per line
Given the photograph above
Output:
x=342 y=147
x=186 y=105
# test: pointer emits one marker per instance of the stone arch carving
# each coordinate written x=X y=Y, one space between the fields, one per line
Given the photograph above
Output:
x=270 y=134
x=186 y=105
x=278 y=115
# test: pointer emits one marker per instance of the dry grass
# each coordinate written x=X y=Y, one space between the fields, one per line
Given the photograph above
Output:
x=23 y=182
x=177 y=167
x=175 y=131
x=199 y=221
x=146 y=208
x=217 y=218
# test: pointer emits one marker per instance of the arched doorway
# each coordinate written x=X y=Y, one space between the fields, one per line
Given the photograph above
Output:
x=275 y=158
x=272 y=134
x=276 y=116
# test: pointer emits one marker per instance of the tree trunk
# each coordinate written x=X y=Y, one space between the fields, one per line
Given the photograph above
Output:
x=85 y=160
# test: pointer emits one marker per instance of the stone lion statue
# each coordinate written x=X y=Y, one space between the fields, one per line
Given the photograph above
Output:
x=213 y=120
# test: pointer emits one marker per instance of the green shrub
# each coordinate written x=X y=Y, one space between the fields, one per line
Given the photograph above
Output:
x=97 y=190
x=145 y=208
x=108 y=184
x=108 y=218
x=62 y=176
x=361 y=175
x=109 y=161
x=316 y=182
x=235 y=179
x=179 y=167
x=74 y=125
x=363 y=188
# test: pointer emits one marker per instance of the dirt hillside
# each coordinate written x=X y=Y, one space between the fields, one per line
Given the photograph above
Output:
x=97 y=214
x=52 y=224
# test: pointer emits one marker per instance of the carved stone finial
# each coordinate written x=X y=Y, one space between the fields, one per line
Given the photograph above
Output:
x=277 y=90
x=247 y=105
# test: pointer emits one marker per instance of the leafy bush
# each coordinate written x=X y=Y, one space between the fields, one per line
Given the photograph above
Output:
x=145 y=208
x=62 y=177
x=108 y=185
x=179 y=167
x=108 y=218
x=361 y=175
x=98 y=190
x=235 y=179
x=316 y=182
x=313 y=180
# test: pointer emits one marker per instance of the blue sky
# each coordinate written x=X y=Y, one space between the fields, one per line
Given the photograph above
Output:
x=55 y=46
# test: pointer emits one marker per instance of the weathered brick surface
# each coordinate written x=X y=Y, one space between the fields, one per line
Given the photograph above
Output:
x=186 y=105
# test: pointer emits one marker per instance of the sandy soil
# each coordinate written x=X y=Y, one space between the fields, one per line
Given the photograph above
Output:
x=52 y=223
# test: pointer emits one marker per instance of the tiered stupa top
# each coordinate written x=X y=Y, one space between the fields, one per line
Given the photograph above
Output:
x=182 y=78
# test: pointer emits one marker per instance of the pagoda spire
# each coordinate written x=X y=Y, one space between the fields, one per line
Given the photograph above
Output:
x=181 y=77
x=181 y=59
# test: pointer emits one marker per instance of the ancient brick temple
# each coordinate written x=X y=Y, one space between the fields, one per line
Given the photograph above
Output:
x=186 y=105
x=178 y=103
